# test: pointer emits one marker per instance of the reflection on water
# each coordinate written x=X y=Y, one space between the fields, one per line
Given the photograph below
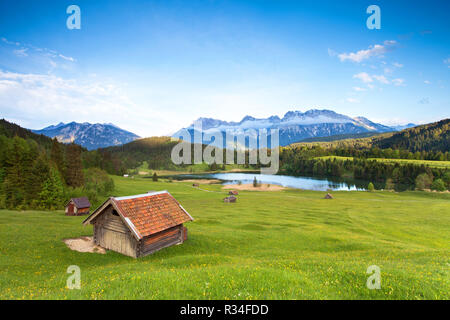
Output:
x=308 y=183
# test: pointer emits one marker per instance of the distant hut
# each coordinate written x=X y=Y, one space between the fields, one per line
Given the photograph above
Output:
x=139 y=225
x=328 y=196
x=78 y=206
x=233 y=193
x=230 y=199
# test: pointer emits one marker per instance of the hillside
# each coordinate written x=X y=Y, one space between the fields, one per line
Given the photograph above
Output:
x=342 y=137
x=432 y=137
x=10 y=130
x=154 y=150
x=429 y=137
x=37 y=172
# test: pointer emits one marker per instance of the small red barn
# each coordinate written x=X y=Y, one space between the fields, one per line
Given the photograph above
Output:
x=139 y=225
x=78 y=206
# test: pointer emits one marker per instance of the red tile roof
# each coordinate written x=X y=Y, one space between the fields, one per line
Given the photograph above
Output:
x=151 y=213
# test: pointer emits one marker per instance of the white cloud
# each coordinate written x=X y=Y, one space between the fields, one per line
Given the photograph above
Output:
x=397 y=65
x=42 y=97
x=381 y=79
x=364 y=77
x=369 y=79
x=398 y=82
x=427 y=82
x=29 y=50
x=21 y=52
x=66 y=58
x=352 y=100
x=359 y=89
x=372 y=51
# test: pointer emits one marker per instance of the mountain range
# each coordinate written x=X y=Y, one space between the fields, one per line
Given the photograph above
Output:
x=90 y=136
x=295 y=126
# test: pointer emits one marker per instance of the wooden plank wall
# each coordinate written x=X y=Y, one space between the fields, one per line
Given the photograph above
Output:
x=161 y=240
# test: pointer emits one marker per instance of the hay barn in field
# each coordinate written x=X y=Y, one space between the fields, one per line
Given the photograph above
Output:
x=139 y=225
x=78 y=206
x=230 y=199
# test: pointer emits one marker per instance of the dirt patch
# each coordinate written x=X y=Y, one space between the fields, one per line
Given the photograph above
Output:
x=250 y=187
x=200 y=181
x=143 y=173
x=84 y=244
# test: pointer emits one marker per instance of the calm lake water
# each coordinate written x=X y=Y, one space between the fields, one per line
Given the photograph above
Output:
x=307 y=183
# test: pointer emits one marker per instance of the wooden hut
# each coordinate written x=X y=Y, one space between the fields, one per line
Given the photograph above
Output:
x=139 y=225
x=78 y=206
x=230 y=199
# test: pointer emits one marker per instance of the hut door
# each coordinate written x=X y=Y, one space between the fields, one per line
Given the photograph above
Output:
x=71 y=207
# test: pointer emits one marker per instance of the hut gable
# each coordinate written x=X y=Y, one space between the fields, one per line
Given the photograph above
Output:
x=152 y=221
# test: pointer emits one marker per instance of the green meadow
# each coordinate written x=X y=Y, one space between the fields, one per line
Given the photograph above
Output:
x=289 y=244
x=430 y=163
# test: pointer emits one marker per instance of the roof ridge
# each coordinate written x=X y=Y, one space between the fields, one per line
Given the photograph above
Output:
x=139 y=195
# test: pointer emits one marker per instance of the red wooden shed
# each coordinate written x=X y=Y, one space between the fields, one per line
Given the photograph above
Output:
x=78 y=206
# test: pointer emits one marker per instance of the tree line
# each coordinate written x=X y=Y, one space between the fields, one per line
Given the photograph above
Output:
x=37 y=172
x=398 y=176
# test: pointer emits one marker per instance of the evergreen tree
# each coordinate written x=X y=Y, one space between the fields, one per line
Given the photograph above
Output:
x=16 y=163
x=52 y=194
x=155 y=177
x=57 y=156
x=74 y=172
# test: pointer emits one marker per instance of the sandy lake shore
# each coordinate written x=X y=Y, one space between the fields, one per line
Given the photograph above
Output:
x=250 y=187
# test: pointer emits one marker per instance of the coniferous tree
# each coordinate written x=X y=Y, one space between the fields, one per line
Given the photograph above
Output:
x=74 y=171
x=57 y=156
x=52 y=194
x=14 y=183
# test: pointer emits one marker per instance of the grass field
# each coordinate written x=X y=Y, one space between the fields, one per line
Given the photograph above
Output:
x=430 y=163
x=269 y=245
x=143 y=169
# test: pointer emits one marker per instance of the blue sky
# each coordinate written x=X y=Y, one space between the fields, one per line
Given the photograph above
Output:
x=153 y=67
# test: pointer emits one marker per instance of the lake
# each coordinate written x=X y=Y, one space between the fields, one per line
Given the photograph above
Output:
x=307 y=183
